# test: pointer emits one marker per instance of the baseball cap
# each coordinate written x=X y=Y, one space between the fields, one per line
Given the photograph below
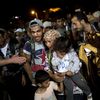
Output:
x=35 y=22
x=19 y=30
x=96 y=14
x=47 y=24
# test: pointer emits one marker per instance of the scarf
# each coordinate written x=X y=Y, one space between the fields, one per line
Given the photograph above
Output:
x=82 y=53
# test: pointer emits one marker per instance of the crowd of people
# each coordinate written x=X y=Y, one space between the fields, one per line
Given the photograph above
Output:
x=52 y=60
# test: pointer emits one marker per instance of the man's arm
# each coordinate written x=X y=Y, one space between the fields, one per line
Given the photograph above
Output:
x=27 y=66
x=28 y=70
x=13 y=60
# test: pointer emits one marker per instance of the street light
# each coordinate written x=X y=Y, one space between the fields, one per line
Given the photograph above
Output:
x=33 y=12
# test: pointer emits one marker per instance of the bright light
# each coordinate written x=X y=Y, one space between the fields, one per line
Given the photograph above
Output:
x=54 y=9
x=44 y=11
x=16 y=17
x=32 y=12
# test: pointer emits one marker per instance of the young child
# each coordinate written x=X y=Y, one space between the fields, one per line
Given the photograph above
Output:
x=49 y=39
x=66 y=63
x=46 y=87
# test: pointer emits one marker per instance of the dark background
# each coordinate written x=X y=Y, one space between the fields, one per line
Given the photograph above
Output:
x=9 y=8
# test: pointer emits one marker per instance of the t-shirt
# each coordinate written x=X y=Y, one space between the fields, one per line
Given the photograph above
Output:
x=4 y=50
x=70 y=62
x=39 y=52
x=48 y=94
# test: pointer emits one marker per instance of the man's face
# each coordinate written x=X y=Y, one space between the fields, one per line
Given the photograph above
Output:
x=60 y=22
x=37 y=33
x=2 y=41
x=19 y=36
x=76 y=23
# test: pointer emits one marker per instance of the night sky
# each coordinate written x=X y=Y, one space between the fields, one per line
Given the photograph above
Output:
x=9 y=8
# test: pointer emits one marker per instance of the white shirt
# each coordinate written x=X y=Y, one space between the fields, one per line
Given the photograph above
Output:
x=4 y=50
x=70 y=62
x=48 y=94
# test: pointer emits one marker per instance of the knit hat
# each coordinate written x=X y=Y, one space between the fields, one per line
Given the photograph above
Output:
x=52 y=33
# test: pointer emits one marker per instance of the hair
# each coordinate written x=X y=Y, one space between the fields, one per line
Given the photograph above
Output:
x=62 y=44
x=2 y=31
x=81 y=16
x=41 y=76
x=52 y=33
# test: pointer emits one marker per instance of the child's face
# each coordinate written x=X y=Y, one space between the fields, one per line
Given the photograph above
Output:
x=60 y=54
x=49 y=42
x=45 y=84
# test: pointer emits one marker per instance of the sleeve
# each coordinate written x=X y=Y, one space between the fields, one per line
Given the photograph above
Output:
x=75 y=63
x=37 y=96
x=27 y=48
x=55 y=60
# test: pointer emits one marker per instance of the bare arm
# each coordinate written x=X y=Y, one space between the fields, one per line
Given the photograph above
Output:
x=13 y=60
x=69 y=74
x=56 y=77
x=27 y=66
x=60 y=87
x=28 y=70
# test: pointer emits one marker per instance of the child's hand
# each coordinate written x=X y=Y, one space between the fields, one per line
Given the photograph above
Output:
x=69 y=73
x=33 y=82
x=58 y=78
x=60 y=74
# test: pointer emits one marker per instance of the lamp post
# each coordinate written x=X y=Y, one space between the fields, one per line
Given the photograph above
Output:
x=33 y=12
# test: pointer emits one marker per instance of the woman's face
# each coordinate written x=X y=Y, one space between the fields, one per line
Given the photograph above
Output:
x=49 y=42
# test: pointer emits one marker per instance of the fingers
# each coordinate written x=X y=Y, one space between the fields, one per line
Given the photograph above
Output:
x=18 y=60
